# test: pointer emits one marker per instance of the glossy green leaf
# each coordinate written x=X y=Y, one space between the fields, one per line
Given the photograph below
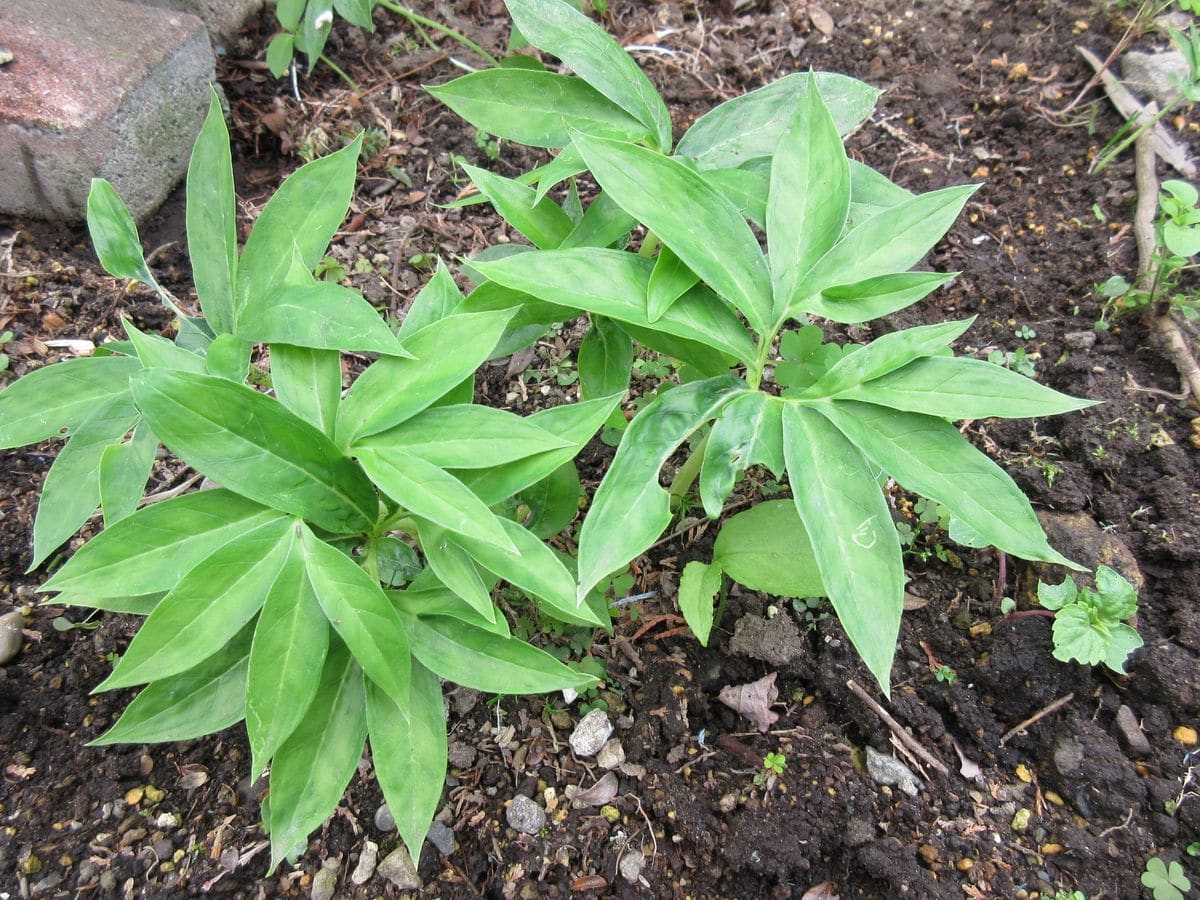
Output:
x=809 y=196
x=229 y=357
x=315 y=764
x=431 y=493
x=208 y=607
x=140 y=605
x=567 y=164
x=441 y=601
x=603 y=224
x=357 y=12
x=455 y=569
x=591 y=53
x=360 y=613
x=745 y=188
x=851 y=304
x=408 y=748
x=212 y=216
x=749 y=431
x=54 y=401
x=465 y=436
x=250 y=443
x=71 y=491
x=279 y=55
x=484 y=661
x=205 y=699
x=157 y=352
x=698 y=587
x=630 y=509
x=670 y=280
x=750 y=126
x=766 y=548
x=392 y=390
x=318 y=22
x=614 y=283
x=291 y=640
x=850 y=528
x=537 y=109
x=553 y=502
x=435 y=301
x=323 y=316
x=114 y=234
x=871 y=192
x=706 y=360
x=605 y=357
x=892 y=241
x=303 y=216
x=124 y=471
x=309 y=383
x=929 y=456
x=960 y=388
x=542 y=222
x=149 y=551
x=690 y=216
x=288 y=12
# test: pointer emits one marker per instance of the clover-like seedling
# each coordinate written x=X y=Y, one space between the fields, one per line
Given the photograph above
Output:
x=1089 y=622
x=1166 y=881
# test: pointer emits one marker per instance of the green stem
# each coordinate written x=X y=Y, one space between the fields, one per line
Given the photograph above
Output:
x=688 y=472
x=370 y=561
x=341 y=73
x=418 y=19
x=649 y=245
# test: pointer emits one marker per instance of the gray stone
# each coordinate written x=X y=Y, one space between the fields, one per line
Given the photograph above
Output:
x=397 y=867
x=97 y=88
x=525 y=816
x=1080 y=340
x=461 y=755
x=367 y=860
x=324 y=883
x=886 y=769
x=384 y=820
x=776 y=641
x=1131 y=731
x=592 y=732
x=1068 y=757
x=442 y=838
x=221 y=17
x=1158 y=75
x=611 y=755
x=631 y=866
x=11 y=638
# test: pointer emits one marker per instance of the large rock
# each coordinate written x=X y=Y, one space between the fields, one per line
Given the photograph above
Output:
x=223 y=17
x=97 y=88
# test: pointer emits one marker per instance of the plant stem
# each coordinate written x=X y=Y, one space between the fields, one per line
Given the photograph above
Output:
x=649 y=245
x=688 y=472
x=370 y=561
x=418 y=19
x=341 y=73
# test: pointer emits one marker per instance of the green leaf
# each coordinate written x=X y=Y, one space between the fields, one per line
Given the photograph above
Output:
x=208 y=607
x=114 y=235
x=929 y=456
x=670 y=280
x=483 y=661
x=745 y=188
x=291 y=640
x=408 y=748
x=392 y=390
x=706 y=360
x=279 y=54
x=750 y=126
x=149 y=551
x=871 y=193
x=605 y=358
x=1075 y=637
x=204 y=699
x=613 y=283
x=211 y=213
x=313 y=767
x=537 y=109
x=766 y=548
x=542 y=222
x=323 y=316
x=250 y=443
x=288 y=12
x=853 y=539
x=809 y=196
x=54 y=401
x=141 y=605
x=71 y=491
x=124 y=471
x=1056 y=596
x=465 y=436
x=567 y=164
x=630 y=509
x=553 y=502
x=690 y=216
x=603 y=224
x=588 y=50
x=455 y=569
x=356 y=12
x=959 y=388
x=157 y=352
x=892 y=241
x=360 y=613
x=229 y=357
x=1115 y=596
x=435 y=301
x=698 y=586
x=318 y=22
x=873 y=298
x=441 y=601
x=302 y=215
x=309 y=383
x=749 y=431
x=431 y=493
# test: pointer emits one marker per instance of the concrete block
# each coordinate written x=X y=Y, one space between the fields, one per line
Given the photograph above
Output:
x=97 y=88
x=222 y=17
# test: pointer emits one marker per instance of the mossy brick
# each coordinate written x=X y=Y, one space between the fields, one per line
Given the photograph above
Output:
x=97 y=88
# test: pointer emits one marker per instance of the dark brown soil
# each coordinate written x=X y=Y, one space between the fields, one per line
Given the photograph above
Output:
x=971 y=91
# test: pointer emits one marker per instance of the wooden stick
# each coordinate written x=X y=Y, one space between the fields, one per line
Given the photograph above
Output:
x=899 y=730
x=1037 y=716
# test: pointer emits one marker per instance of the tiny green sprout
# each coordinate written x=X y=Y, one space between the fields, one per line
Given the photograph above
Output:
x=946 y=675
x=1166 y=881
x=1061 y=894
x=1025 y=333
x=1089 y=622
x=1193 y=849
x=775 y=763
x=1007 y=605
x=5 y=339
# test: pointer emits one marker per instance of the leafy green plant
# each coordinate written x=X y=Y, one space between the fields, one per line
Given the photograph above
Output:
x=271 y=598
x=840 y=240
x=1166 y=881
x=5 y=339
x=1089 y=622
x=946 y=675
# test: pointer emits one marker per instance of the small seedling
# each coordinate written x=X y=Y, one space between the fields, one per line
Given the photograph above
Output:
x=946 y=675
x=1089 y=622
x=1166 y=881
x=5 y=339
x=1025 y=333
x=774 y=765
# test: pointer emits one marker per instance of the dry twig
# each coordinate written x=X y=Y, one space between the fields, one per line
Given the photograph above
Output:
x=899 y=730
x=1037 y=717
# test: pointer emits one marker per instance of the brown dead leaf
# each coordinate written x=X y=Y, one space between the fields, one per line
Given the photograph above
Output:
x=753 y=700
x=600 y=793
x=192 y=776
x=826 y=890
x=912 y=601
x=17 y=772
x=822 y=21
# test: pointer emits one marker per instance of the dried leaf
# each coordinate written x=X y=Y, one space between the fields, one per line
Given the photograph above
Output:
x=192 y=776
x=968 y=768
x=753 y=700
x=912 y=601
x=600 y=793
x=826 y=890
x=822 y=21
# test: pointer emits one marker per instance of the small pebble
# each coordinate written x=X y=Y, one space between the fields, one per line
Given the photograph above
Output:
x=611 y=755
x=167 y=821
x=592 y=732
x=611 y=814
x=1185 y=735
x=525 y=815
x=1131 y=732
x=324 y=883
x=11 y=638
x=383 y=819
x=1080 y=340
x=889 y=770
x=1020 y=819
x=397 y=867
x=442 y=838
x=461 y=755
x=367 y=860
x=632 y=865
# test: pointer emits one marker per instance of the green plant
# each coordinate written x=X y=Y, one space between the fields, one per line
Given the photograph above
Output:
x=1089 y=622
x=946 y=675
x=5 y=339
x=775 y=763
x=1018 y=360
x=271 y=597
x=1062 y=894
x=1166 y=881
x=840 y=237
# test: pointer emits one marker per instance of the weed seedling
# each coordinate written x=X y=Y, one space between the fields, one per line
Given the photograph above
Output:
x=1166 y=881
x=946 y=675
x=1089 y=622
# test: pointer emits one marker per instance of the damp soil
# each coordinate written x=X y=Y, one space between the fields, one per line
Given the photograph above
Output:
x=975 y=91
